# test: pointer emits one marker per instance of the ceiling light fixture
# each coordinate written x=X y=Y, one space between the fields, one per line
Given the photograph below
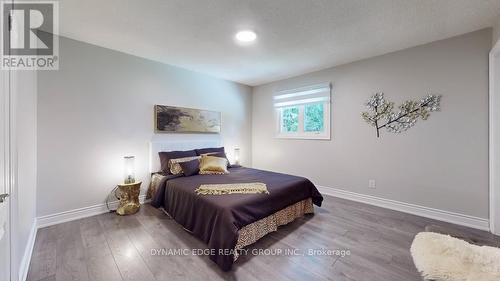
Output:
x=246 y=36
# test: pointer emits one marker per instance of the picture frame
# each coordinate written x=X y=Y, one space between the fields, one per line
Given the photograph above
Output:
x=174 y=119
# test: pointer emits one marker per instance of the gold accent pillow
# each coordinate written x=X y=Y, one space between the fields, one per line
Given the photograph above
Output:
x=210 y=165
x=174 y=164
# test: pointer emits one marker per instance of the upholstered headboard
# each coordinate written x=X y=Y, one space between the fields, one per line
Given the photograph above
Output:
x=158 y=146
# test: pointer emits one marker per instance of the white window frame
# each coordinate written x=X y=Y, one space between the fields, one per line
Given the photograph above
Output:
x=301 y=134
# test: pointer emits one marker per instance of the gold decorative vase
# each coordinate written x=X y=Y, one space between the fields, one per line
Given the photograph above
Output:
x=129 y=198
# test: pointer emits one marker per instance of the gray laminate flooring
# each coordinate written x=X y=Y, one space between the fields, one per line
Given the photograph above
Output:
x=109 y=247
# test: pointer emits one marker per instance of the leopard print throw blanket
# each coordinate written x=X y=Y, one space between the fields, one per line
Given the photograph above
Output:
x=232 y=188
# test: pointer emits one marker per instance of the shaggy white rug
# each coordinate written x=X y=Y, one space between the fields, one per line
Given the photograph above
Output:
x=444 y=258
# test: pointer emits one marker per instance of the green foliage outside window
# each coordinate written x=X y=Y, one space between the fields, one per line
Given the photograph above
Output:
x=313 y=118
x=290 y=119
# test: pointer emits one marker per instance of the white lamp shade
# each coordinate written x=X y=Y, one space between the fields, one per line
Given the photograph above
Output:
x=237 y=156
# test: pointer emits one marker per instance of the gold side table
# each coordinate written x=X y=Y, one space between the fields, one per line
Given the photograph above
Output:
x=129 y=198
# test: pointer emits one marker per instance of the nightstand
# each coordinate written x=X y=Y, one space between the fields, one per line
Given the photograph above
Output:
x=129 y=198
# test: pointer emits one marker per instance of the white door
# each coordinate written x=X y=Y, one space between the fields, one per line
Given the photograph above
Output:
x=5 y=174
x=4 y=177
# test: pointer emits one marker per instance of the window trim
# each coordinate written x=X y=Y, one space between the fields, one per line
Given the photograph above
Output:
x=301 y=134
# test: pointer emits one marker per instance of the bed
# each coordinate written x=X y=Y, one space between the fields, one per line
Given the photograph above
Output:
x=230 y=222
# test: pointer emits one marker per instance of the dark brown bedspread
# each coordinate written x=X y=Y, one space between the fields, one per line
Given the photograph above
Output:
x=216 y=219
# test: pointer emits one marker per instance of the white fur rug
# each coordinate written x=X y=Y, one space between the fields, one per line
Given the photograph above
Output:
x=444 y=258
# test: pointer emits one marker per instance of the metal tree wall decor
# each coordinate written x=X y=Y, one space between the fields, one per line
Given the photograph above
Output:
x=381 y=114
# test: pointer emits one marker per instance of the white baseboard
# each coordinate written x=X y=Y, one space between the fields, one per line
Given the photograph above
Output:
x=437 y=214
x=28 y=251
x=75 y=214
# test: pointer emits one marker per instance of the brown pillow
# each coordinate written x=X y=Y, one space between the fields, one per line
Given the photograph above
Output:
x=175 y=167
x=209 y=150
x=190 y=168
x=213 y=165
x=166 y=156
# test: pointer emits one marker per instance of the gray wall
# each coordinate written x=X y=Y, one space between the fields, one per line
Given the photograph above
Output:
x=496 y=31
x=99 y=107
x=440 y=163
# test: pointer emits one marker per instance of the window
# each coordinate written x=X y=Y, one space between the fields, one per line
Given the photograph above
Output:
x=304 y=113
x=314 y=117
x=290 y=119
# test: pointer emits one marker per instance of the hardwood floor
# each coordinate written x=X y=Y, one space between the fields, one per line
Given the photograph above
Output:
x=109 y=247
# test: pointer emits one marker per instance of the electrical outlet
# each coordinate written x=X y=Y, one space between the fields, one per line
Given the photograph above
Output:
x=372 y=184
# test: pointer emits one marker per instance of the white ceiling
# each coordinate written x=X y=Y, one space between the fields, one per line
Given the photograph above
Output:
x=294 y=36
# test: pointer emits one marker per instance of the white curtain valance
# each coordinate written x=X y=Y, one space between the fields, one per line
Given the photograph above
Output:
x=304 y=95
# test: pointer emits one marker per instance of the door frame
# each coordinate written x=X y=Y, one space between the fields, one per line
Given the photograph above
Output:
x=6 y=168
x=494 y=138
x=6 y=113
x=6 y=158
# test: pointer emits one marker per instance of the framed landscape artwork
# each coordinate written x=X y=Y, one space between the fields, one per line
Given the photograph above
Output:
x=171 y=119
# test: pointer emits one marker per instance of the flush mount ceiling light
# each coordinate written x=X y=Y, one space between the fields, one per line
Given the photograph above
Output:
x=246 y=36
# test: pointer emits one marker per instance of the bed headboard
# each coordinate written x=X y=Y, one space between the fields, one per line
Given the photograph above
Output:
x=158 y=146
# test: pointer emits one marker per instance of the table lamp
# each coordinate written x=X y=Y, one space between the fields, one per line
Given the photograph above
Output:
x=129 y=169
